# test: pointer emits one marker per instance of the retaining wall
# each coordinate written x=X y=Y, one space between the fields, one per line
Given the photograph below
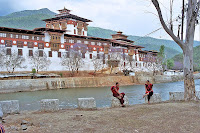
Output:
x=58 y=83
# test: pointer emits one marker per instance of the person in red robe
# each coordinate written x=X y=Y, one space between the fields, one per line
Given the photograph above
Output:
x=120 y=96
x=149 y=90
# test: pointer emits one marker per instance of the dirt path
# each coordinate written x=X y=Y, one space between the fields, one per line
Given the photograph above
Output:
x=183 y=117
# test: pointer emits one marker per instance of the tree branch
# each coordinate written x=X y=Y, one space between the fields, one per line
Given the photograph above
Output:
x=176 y=39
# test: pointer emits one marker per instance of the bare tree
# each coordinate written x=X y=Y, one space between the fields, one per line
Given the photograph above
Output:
x=171 y=14
x=153 y=63
x=39 y=60
x=186 y=46
x=97 y=63
x=13 y=61
x=125 y=64
x=114 y=60
x=2 y=56
x=72 y=61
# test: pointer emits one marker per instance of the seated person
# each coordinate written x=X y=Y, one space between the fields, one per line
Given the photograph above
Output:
x=120 y=96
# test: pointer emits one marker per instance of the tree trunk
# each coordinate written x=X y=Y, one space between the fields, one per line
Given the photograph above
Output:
x=189 y=85
x=187 y=47
x=13 y=70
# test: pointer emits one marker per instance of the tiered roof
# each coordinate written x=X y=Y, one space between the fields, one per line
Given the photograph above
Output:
x=20 y=31
x=42 y=29
x=65 y=14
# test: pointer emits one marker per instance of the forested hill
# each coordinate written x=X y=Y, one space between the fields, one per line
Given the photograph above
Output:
x=196 y=56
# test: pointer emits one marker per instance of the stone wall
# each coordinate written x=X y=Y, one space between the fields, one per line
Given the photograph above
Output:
x=58 y=83
x=7 y=86
x=141 y=78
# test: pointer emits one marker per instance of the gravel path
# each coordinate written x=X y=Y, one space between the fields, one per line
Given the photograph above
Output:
x=180 y=117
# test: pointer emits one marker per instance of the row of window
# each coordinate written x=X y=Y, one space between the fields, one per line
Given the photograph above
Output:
x=20 y=44
x=39 y=38
x=79 y=33
x=85 y=42
x=20 y=53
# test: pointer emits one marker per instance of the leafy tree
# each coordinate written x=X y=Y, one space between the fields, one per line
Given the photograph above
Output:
x=161 y=56
x=170 y=63
x=161 y=53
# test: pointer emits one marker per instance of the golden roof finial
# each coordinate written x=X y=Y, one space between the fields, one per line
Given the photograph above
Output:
x=119 y=32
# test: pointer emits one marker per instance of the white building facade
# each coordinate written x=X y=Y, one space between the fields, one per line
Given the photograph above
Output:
x=67 y=32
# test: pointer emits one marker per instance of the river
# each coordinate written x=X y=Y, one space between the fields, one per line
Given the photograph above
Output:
x=68 y=97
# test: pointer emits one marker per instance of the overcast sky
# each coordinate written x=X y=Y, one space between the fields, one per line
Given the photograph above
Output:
x=133 y=17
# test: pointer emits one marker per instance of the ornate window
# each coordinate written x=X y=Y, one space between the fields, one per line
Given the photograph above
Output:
x=40 y=53
x=20 y=52
x=8 y=43
x=30 y=44
x=20 y=44
x=40 y=45
x=50 y=53
x=30 y=52
x=59 y=54
x=90 y=56
x=8 y=51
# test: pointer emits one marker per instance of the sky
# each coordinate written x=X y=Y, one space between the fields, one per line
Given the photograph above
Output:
x=133 y=17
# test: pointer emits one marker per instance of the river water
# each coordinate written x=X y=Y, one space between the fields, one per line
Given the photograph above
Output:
x=68 y=97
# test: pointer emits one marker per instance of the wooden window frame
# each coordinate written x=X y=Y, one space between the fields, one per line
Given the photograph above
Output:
x=90 y=56
x=59 y=54
x=8 y=51
x=30 y=52
x=20 y=52
x=50 y=54
x=41 y=53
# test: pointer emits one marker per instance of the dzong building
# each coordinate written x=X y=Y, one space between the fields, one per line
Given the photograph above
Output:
x=67 y=32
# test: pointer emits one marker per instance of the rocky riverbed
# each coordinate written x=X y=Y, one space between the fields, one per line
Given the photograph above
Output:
x=162 y=117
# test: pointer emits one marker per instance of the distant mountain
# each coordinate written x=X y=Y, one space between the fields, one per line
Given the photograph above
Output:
x=30 y=12
x=196 y=56
x=30 y=19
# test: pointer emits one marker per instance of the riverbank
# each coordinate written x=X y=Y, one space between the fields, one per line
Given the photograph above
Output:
x=163 y=117
x=22 y=85
x=7 y=86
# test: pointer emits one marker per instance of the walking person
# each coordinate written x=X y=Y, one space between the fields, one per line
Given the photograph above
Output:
x=149 y=90
x=120 y=96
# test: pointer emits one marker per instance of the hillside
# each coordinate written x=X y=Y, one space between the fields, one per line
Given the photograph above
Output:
x=30 y=19
x=196 y=54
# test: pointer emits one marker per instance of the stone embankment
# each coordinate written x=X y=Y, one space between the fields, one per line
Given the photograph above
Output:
x=7 y=86
x=21 y=85
x=141 y=78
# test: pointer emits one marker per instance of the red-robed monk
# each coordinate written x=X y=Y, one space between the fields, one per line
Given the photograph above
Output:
x=120 y=96
x=149 y=90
